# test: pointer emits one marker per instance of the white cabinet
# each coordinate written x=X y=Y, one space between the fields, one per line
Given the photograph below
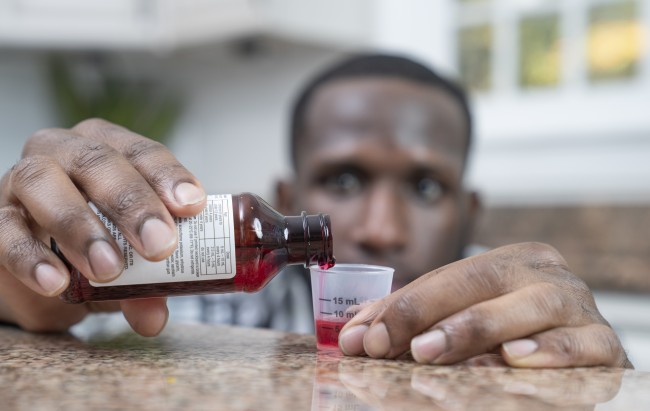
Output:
x=122 y=24
x=417 y=27
x=413 y=27
x=341 y=23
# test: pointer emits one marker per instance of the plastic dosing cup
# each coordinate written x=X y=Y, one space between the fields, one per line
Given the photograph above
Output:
x=338 y=292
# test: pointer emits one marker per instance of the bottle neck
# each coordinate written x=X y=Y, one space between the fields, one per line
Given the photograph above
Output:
x=309 y=239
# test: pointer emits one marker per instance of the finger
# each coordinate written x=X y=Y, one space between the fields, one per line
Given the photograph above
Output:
x=481 y=327
x=118 y=190
x=175 y=185
x=53 y=201
x=589 y=345
x=103 y=306
x=456 y=287
x=147 y=316
x=27 y=258
x=352 y=333
x=426 y=301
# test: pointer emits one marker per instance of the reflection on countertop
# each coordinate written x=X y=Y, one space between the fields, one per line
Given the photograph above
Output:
x=196 y=367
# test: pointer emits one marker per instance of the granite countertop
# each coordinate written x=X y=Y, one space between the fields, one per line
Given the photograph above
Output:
x=197 y=367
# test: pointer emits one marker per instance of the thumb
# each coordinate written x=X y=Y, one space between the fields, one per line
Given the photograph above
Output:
x=147 y=316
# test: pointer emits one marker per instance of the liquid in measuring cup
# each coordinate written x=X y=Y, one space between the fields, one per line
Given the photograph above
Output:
x=339 y=291
x=327 y=331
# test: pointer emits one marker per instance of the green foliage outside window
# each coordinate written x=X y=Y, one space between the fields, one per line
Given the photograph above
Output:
x=138 y=105
x=614 y=41
x=539 y=51
x=475 y=57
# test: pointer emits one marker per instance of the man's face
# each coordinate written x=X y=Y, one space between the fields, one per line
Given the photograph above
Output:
x=384 y=158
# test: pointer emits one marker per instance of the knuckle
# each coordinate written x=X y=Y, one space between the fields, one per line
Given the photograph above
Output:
x=40 y=137
x=405 y=312
x=21 y=250
x=8 y=216
x=143 y=150
x=543 y=256
x=101 y=130
x=472 y=325
x=165 y=177
x=492 y=278
x=129 y=202
x=90 y=157
x=565 y=304
x=485 y=274
x=612 y=348
x=75 y=225
x=539 y=261
x=92 y=126
x=8 y=220
x=29 y=171
x=552 y=302
x=565 y=346
x=69 y=220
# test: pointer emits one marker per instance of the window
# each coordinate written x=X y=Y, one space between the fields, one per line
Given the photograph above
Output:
x=539 y=51
x=475 y=57
x=614 y=41
x=538 y=44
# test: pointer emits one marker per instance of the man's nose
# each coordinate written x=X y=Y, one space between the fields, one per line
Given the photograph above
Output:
x=383 y=226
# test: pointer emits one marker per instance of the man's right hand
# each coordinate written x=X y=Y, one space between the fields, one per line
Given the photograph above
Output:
x=136 y=182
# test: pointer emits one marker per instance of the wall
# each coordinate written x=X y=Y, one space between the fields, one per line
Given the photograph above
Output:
x=24 y=104
x=232 y=132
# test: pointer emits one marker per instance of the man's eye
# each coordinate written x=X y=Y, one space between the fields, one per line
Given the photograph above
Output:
x=428 y=189
x=346 y=183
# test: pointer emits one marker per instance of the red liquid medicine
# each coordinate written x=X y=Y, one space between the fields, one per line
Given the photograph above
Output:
x=327 y=333
x=238 y=243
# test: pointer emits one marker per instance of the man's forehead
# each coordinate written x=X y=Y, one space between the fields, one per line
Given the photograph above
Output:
x=410 y=113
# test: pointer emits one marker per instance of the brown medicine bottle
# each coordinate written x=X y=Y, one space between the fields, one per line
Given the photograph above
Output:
x=238 y=243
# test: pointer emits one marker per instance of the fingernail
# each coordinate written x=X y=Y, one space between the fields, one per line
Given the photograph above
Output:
x=429 y=346
x=376 y=342
x=157 y=237
x=188 y=194
x=351 y=340
x=520 y=348
x=49 y=278
x=104 y=261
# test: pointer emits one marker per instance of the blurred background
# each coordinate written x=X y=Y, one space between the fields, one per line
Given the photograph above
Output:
x=560 y=91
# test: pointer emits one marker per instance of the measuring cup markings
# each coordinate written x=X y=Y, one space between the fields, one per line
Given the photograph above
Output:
x=338 y=301
x=342 y=292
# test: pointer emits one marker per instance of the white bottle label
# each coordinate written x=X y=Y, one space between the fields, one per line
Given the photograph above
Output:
x=206 y=249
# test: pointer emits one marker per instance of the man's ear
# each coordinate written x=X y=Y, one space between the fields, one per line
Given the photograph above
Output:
x=284 y=197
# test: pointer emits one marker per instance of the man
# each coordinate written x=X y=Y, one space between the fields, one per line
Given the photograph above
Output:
x=379 y=143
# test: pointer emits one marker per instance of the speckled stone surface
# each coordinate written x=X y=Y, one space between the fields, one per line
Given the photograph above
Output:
x=194 y=367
